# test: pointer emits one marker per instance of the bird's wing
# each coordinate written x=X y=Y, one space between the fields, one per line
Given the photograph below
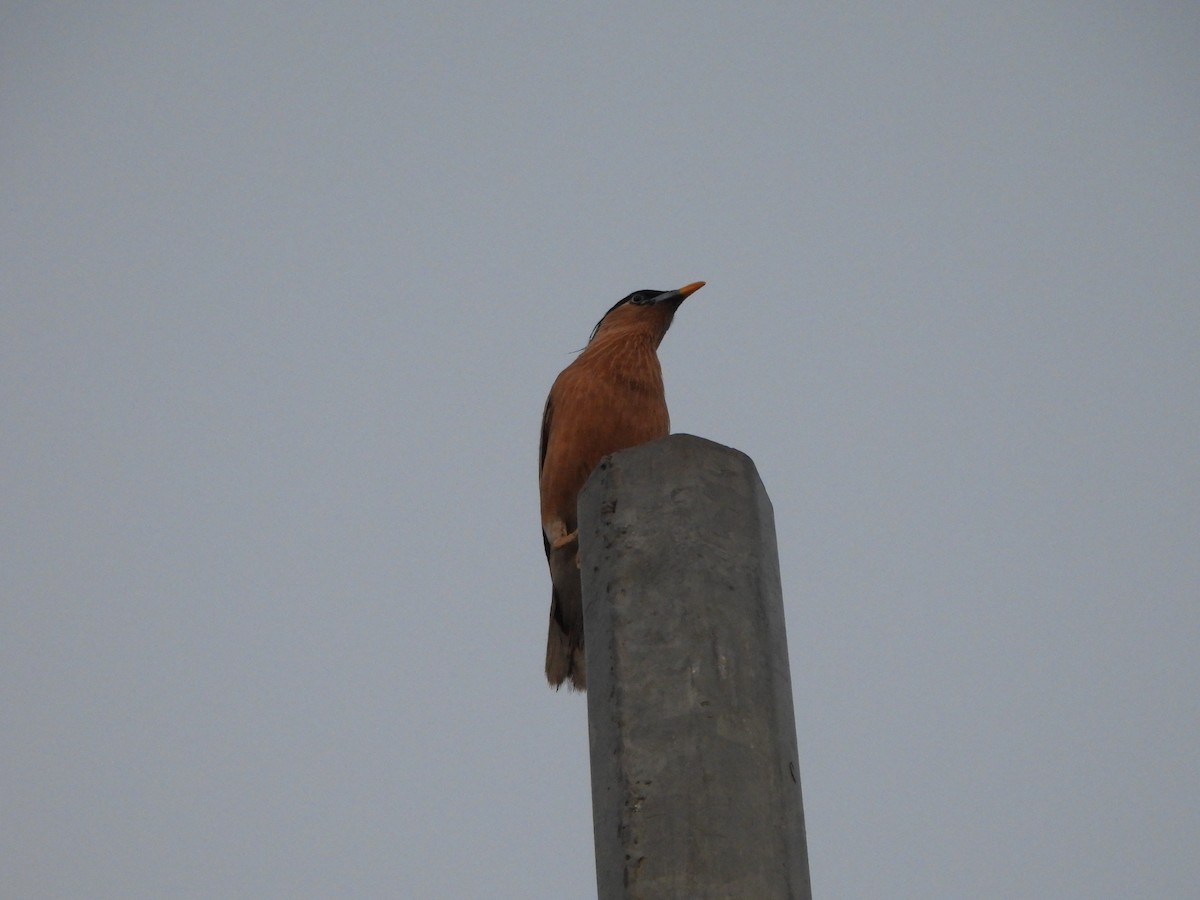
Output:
x=547 y=414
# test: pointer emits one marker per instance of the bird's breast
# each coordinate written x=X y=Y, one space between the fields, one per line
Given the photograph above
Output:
x=601 y=403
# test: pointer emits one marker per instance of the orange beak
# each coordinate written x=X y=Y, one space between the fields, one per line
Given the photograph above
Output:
x=690 y=289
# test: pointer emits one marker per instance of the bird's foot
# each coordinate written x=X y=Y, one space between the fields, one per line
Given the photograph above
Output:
x=565 y=540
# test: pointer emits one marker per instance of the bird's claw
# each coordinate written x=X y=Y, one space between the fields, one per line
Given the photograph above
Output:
x=565 y=540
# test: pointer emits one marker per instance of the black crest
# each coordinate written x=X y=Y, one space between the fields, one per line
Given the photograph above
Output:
x=637 y=298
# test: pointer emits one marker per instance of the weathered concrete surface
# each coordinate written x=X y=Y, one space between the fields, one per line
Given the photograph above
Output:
x=695 y=775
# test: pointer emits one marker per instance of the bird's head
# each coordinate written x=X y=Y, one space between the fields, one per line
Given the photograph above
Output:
x=644 y=311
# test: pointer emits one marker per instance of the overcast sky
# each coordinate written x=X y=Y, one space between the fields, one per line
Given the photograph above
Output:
x=284 y=286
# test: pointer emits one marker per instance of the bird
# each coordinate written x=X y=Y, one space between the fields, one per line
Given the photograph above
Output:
x=609 y=398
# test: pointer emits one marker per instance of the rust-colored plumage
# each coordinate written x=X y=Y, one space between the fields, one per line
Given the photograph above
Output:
x=611 y=397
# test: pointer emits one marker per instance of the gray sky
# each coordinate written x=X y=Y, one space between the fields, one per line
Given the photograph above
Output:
x=284 y=287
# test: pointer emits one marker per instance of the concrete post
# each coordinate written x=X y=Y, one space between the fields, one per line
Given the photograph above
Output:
x=695 y=775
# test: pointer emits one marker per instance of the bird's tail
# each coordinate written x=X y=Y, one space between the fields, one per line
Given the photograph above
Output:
x=564 y=643
x=564 y=658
